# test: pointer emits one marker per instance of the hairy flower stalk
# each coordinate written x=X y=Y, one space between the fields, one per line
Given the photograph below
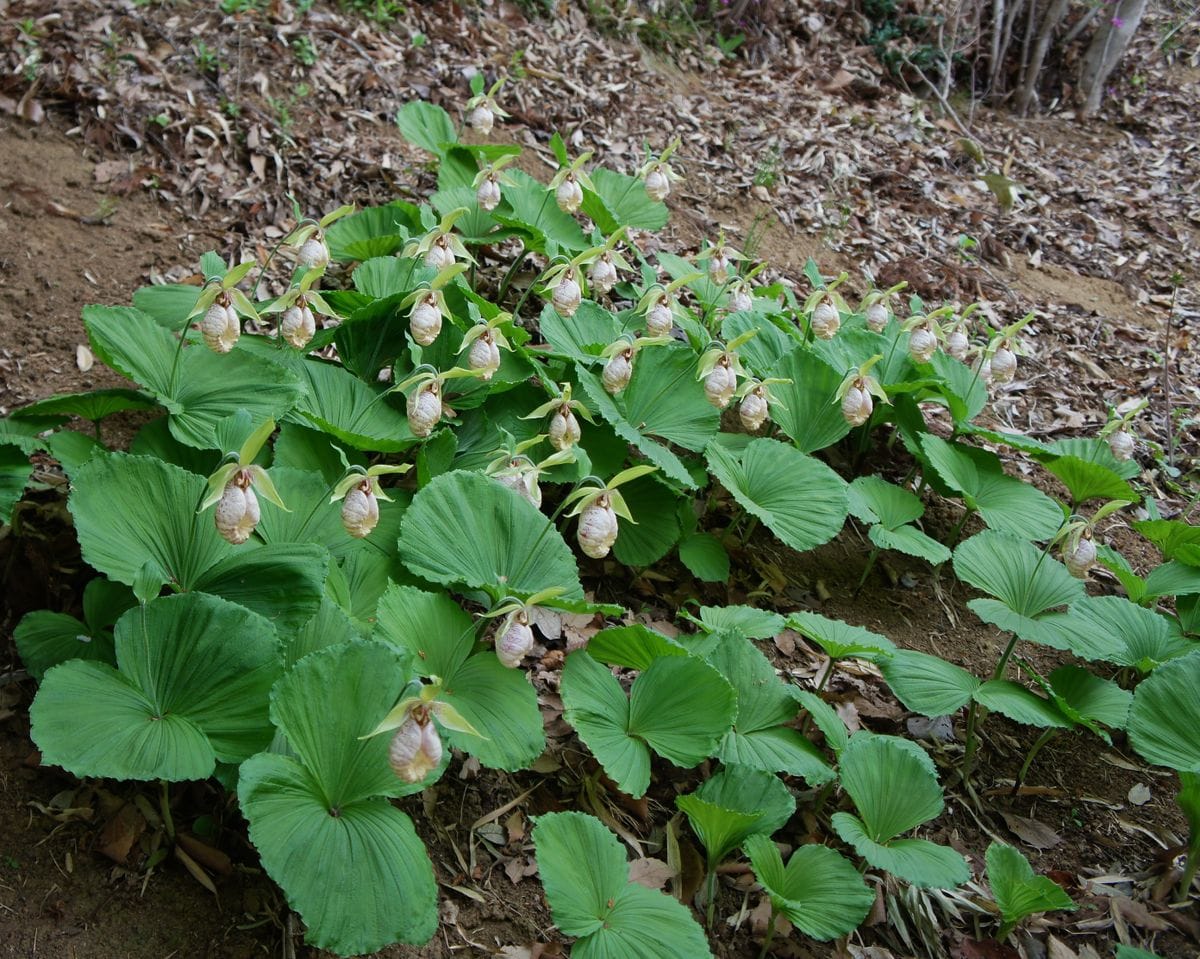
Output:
x=237 y=512
x=597 y=528
x=360 y=510
x=220 y=326
x=514 y=639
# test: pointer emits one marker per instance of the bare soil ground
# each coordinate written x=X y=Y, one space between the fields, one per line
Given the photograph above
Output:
x=96 y=200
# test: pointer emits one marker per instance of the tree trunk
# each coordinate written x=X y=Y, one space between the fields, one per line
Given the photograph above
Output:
x=1105 y=51
x=1054 y=14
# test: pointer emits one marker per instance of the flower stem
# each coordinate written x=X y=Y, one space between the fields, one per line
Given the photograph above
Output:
x=712 y=898
x=867 y=570
x=511 y=274
x=770 y=934
x=1045 y=737
x=165 y=806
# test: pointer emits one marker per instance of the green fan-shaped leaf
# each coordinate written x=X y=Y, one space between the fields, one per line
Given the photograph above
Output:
x=373 y=232
x=769 y=345
x=582 y=337
x=705 y=557
x=928 y=684
x=342 y=405
x=892 y=782
x=664 y=399
x=820 y=892
x=349 y=862
x=155 y=440
x=1112 y=629
x=679 y=707
x=1166 y=714
x=330 y=626
x=465 y=528
x=131 y=509
x=760 y=737
x=203 y=388
x=168 y=304
x=1087 y=699
x=634 y=646
x=94 y=406
x=826 y=719
x=1019 y=893
x=808 y=410
x=1086 y=480
x=1020 y=705
x=1090 y=450
x=875 y=500
x=497 y=701
x=586 y=880
x=529 y=207
x=620 y=200
x=1004 y=503
x=656 y=523
x=964 y=391
x=918 y=861
x=15 y=470
x=841 y=640
x=45 y=639
x=745 y=620
x=800 y=499
x=283 y=582
x=910 y=541
x=190 y=689
x=750 y=790
x=426 y=125
x=1177 y=539
x=383 y=277
x=719 y=830
x=1017 y=574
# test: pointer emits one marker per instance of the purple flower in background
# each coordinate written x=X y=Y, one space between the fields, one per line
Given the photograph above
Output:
x=1117 y=22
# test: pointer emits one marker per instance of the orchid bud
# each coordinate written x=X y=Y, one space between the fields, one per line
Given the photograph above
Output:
x=740 y=300
x=297 y=325
x=922 y=344
x=1079 y=559
x=415 y=750
x=523 y=482
x=603 y=274
x=659 y=318
x=877 y=316
x=564 y=429
x=1004 y=365
x=488 y=194
x=360 y=510
x=569 y=195
x=424 y=409
x=597 y=528
x=439 y=255
x=825 y=320
x=857 y=405
x=658 y=185
x=485 y=356
x=425 y=321
x=313 y=253
x=514 y=639
x=481 y=119
x=617 y=372
x=753 y=410
x=220 y=328
x=720 y=383
x=957 y=344
x=718 y=267
x=566 y=296
x=237 y=513
x=1122 y=445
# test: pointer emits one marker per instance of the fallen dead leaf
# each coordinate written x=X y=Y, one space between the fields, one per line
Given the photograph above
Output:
x=1139 y=794
x=83 y=358
x=651 y=873
x=1031 y=832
